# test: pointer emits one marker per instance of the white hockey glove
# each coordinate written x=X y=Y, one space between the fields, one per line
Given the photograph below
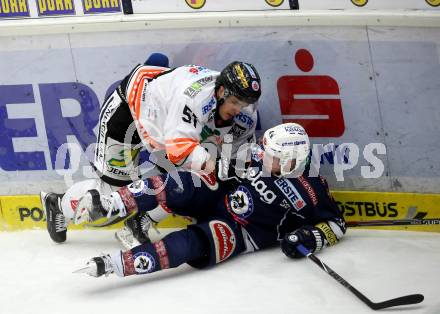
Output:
x=226 y=171
x=93 y=206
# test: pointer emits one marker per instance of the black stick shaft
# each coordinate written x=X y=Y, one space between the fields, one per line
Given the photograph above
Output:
x=338 y=278
x=397 y=222
x=405 y=300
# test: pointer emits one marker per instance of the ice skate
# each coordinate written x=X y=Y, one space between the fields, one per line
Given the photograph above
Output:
x=135 y=231
x=98 y=266
x=56 y=222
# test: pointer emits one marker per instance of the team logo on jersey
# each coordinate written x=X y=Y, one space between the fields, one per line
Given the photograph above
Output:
x=195 y=4
x=433 y=3
x=241 y=202
x=137 y=188
x=292 y=194
x=359 y=3
x=143 y=262
x=274 y=3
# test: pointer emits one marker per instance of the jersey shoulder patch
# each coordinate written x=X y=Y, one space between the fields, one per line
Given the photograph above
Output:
x=196 y=78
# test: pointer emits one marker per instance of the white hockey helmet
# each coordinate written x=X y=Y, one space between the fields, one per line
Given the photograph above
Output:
x=287 y=141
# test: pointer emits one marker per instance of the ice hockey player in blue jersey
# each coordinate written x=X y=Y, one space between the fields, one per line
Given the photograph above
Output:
x=276 y=202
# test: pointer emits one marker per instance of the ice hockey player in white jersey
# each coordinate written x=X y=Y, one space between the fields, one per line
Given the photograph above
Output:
x=175 y=114
x=276 y=202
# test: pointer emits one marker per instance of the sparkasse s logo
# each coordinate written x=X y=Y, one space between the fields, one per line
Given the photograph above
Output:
x=195 y=4
x=359 y=3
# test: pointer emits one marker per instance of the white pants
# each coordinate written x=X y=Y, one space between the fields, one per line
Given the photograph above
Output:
x=78 y=190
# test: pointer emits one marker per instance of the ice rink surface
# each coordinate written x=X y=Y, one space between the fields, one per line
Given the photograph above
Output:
x=36 y=278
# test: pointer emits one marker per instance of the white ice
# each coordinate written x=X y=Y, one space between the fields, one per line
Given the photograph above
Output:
x=36 y=278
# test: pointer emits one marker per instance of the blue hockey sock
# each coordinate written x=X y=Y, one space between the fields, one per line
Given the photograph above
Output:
x=175 y=249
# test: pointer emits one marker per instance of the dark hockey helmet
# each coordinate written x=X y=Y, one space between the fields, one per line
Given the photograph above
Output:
x=240 y=80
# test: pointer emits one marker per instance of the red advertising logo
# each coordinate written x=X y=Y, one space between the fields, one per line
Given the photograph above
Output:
x=224 y=240
x=311 y=100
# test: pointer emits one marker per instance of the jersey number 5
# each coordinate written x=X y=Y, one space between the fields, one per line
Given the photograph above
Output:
x=189 y=116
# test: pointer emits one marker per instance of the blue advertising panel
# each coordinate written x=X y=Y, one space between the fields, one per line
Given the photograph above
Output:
x=58 y=127
x=14 y=8
x=55 y=7
x=101 y=6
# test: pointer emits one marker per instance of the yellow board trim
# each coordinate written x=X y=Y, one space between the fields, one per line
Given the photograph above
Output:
x=365 y=206
x=23 y=212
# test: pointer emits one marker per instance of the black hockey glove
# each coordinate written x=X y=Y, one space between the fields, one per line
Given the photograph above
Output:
x=310 y=237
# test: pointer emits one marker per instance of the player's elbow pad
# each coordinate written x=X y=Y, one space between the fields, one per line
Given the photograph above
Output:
x=193 y=158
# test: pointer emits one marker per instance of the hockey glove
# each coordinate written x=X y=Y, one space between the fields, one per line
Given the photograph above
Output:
x=228 y=174
x=308 y=236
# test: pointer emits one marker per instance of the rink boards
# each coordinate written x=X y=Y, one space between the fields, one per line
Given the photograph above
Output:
x=25 y=211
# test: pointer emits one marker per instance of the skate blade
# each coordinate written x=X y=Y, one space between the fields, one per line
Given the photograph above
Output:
x=84 y=270
x=43 y=196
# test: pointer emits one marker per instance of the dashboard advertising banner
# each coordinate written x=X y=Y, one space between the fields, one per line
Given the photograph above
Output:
x=369 y=4
x=368 y=97
x=101 y=6
x=56 y=8
x=174 y=6
x=14 y=8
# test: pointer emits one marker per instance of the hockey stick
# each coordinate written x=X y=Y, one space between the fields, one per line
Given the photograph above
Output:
x=405 y=300
x=397 y=222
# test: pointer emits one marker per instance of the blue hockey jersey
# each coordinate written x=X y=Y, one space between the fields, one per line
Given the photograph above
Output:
x=268 y=207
